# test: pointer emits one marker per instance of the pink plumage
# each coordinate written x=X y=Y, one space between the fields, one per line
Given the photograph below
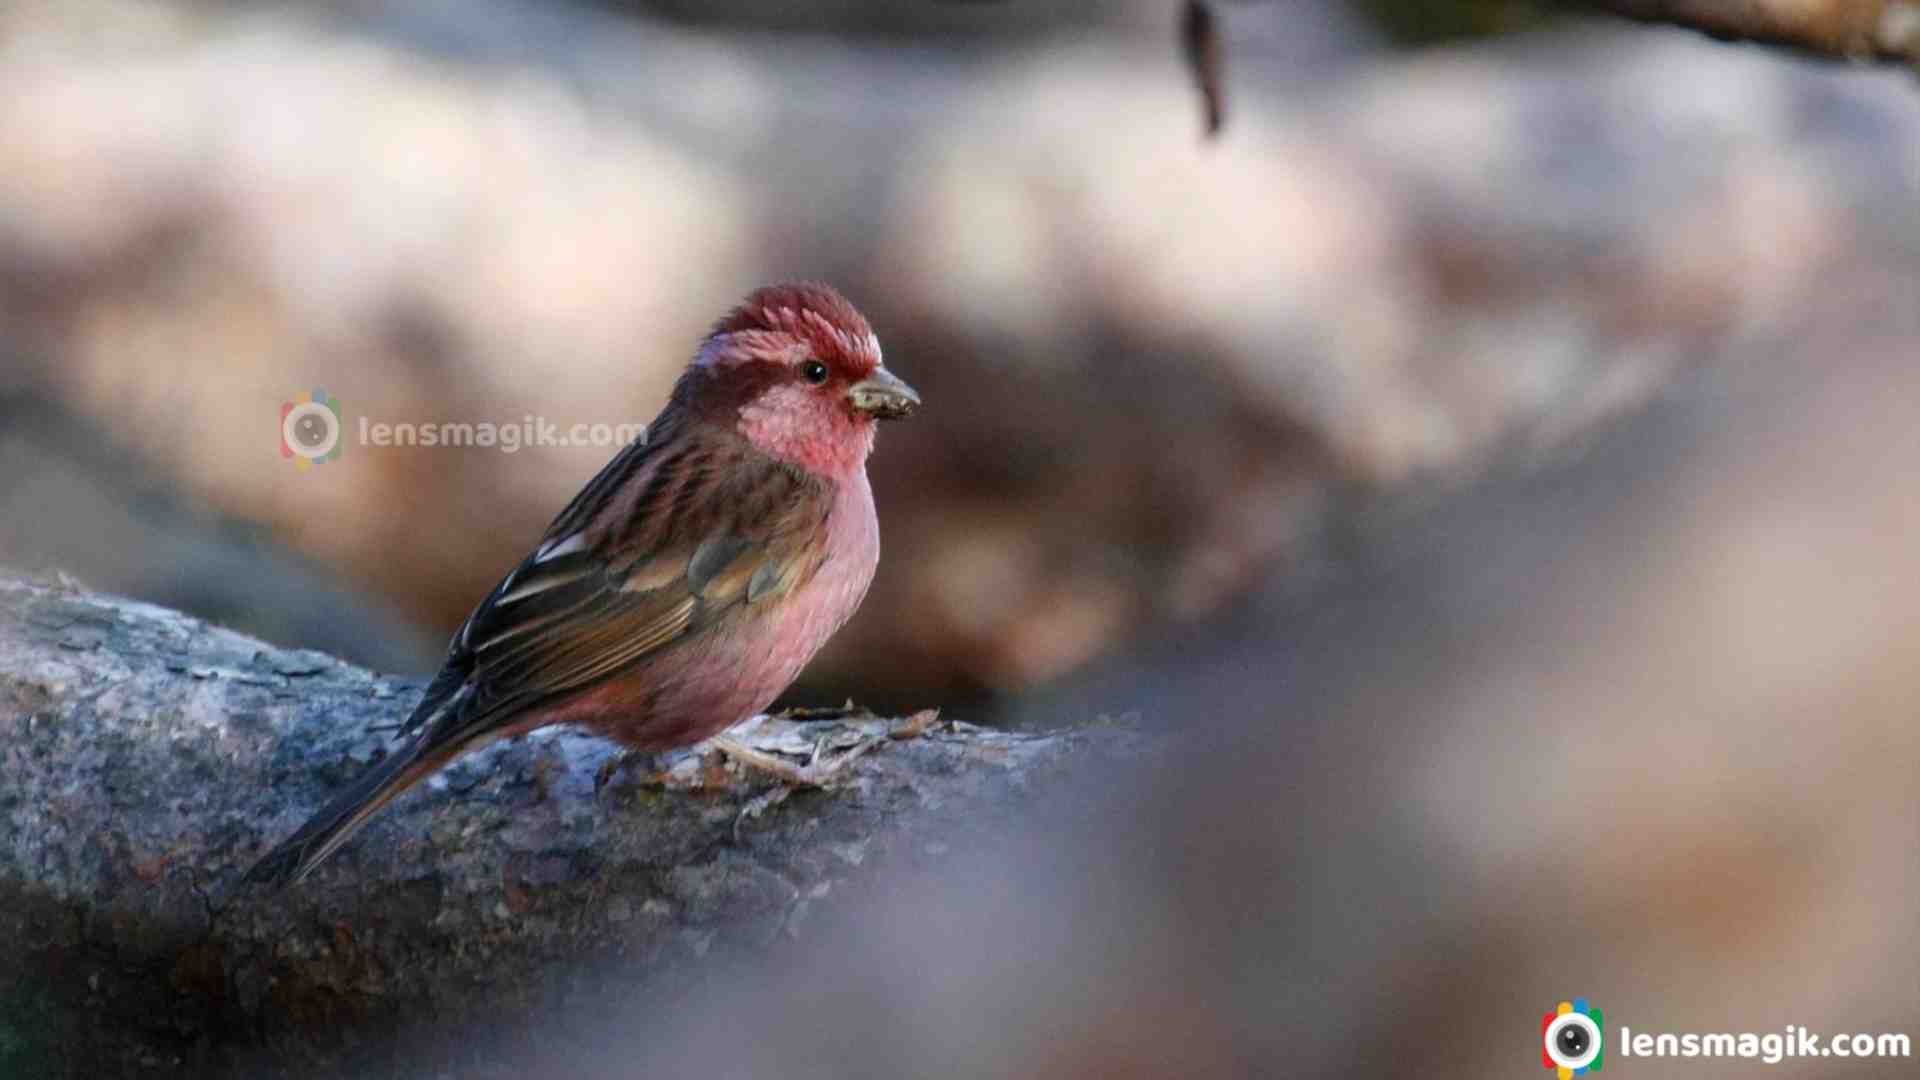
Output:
x=723 y=678
x=690 y=581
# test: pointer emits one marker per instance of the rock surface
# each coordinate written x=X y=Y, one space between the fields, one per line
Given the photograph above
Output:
x=146 y=758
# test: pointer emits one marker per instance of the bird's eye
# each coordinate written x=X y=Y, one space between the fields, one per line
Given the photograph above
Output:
x=814 y=372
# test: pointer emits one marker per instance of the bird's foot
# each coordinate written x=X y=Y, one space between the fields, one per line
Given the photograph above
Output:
x=817 y=772
x=915 y=726
x=619 y=763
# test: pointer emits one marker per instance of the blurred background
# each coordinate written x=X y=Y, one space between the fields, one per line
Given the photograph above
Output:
x=1160 y=366
x=1615 y=316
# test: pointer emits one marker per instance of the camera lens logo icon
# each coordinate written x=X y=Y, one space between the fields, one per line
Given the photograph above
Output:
x=1571 y=1039
x=310 y=429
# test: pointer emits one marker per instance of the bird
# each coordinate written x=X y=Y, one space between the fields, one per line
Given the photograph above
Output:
x=686 y=586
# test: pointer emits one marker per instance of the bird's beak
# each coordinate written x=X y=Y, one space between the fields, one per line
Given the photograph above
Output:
x=883 y=395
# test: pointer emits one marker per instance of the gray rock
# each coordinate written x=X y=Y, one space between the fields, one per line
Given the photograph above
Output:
x=135 y=789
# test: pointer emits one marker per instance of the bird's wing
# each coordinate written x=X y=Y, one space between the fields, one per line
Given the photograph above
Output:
x=615 y=581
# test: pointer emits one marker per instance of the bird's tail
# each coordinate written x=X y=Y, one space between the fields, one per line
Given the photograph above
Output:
x=324 y=832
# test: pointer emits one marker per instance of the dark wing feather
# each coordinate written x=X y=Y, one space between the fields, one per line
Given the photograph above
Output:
x=591 y=602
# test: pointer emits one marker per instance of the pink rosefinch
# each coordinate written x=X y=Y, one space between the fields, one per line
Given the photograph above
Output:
x=686 y=586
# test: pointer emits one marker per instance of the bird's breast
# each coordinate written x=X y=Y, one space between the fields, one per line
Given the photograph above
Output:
x=735 y=671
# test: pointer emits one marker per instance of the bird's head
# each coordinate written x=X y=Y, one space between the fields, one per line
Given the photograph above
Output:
x=797 y=371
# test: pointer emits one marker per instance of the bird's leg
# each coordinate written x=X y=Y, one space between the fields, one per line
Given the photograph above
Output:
x=815 y=773
x=821 y=712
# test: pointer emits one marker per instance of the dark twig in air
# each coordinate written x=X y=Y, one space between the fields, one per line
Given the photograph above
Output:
x=1200 y=39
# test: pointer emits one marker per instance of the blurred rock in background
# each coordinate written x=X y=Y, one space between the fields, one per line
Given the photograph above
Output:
x=1158 y=368
x=71 y=500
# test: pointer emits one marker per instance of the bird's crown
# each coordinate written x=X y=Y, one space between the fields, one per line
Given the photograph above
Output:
x=811 y=311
